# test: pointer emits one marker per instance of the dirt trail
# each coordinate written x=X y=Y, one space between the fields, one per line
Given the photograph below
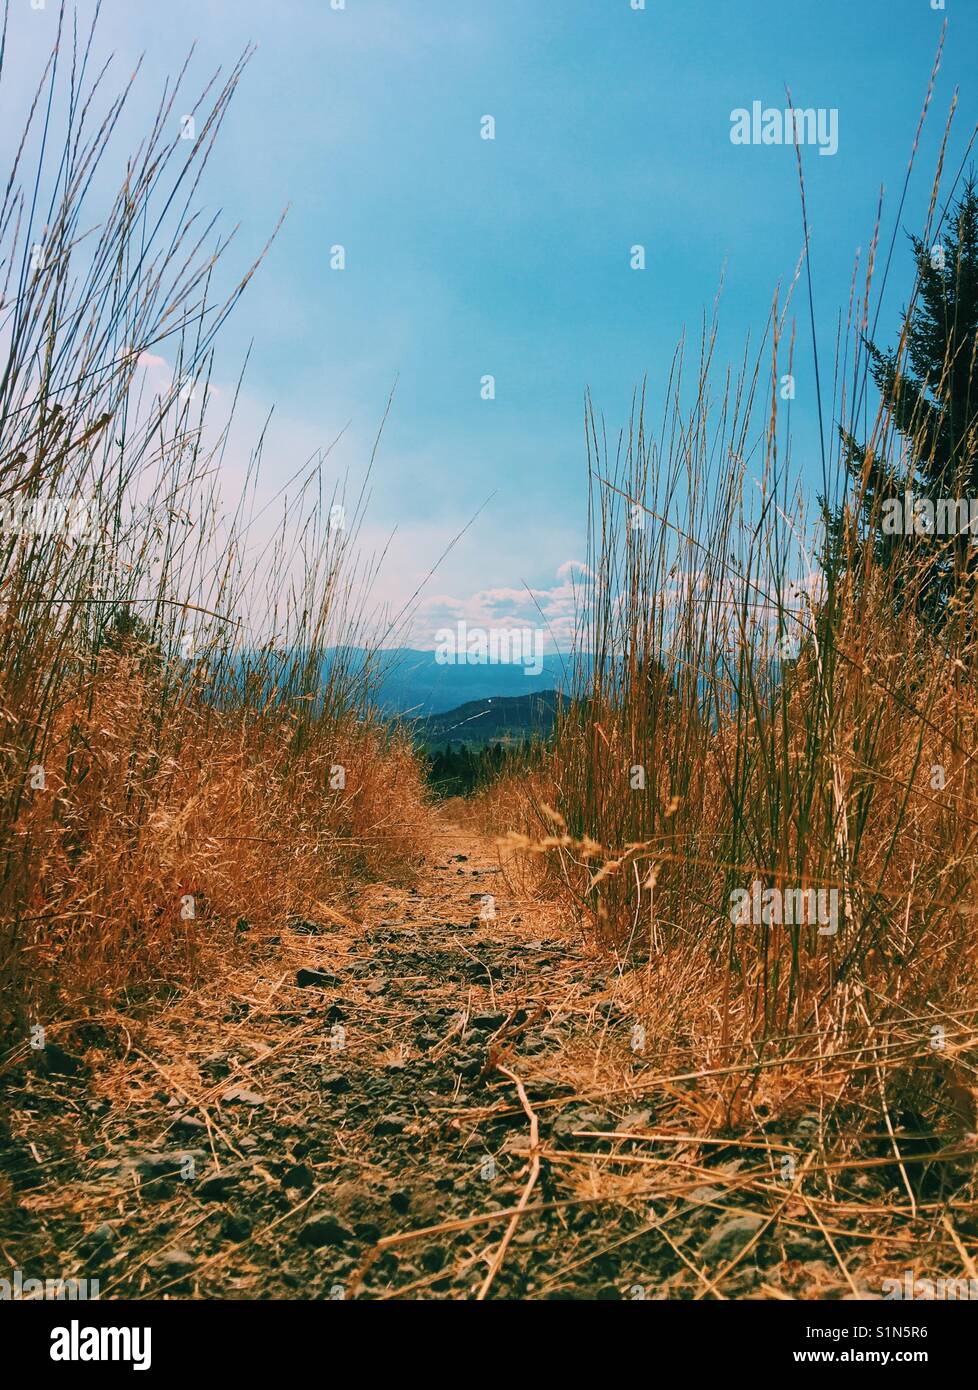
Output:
x=290 y=1128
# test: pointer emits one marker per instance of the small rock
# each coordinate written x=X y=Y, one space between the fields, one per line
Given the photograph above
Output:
x=729 y=1238
x=316 y=979
x=215 y=1187
x=335 y=1081
x=173 y=1262
x=215 y=1066
x=298 y=1175
x=97 y=1245
x=700 y=1196
x=165 y=1167
x=237 y=1227
x=56 y=1062
x=189 y=1124
x=325 y=1228
x=240 y=1095
x=804 y=1248
x=585 y=1117
x=516 y=1143
x=390 y=1124
x=608 y=1293
x=487 y=1023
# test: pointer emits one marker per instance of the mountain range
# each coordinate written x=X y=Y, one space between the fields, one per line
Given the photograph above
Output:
x=409 y=682
x=496 y=719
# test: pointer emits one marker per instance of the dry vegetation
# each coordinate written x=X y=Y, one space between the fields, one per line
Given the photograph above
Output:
x=165 y=772
x=760 y=708
x=135 y=778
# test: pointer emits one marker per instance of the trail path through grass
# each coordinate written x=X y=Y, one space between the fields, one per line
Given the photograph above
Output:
x=350 y=1114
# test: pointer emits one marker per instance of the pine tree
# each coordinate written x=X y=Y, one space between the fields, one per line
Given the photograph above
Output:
x=931 y=388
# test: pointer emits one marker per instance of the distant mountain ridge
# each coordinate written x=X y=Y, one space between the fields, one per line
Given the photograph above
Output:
x=496 y=719
x=410 y=682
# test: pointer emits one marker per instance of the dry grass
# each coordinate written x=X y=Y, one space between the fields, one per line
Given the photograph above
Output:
x=210 y=814
x=166 y=769
x=745 y=712
x=151 y=801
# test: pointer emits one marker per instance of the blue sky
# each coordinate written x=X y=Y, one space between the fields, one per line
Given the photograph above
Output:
x=511 y=257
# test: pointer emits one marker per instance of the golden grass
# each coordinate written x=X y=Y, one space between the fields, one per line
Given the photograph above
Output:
x=750 y=704
x=186 y=739
x=143 y=854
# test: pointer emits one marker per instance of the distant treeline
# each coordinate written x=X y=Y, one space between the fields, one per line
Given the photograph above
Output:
x=461 y=771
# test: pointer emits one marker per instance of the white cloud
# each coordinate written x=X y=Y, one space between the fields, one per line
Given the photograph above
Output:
x=553 y=608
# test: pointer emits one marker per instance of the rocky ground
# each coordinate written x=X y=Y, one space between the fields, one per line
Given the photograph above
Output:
x=437 y=1096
